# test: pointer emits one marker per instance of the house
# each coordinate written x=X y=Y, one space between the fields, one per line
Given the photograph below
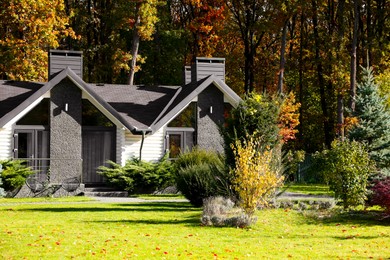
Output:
x=71 y=127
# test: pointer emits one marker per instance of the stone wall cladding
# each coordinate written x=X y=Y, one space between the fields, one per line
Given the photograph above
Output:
x=65 y=132
x=208 y=135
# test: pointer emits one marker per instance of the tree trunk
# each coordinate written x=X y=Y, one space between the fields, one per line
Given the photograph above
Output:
x=301 y=39
x=249 y=68
x=340 y=116
x=135 y=46
x=321 y=80
x=352 y=90
x=282 y=58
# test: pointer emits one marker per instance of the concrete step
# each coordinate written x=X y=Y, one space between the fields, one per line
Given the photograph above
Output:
x=104 y=192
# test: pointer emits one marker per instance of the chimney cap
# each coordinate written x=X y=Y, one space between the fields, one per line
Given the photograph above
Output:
x=209 y=60
x=65 y=52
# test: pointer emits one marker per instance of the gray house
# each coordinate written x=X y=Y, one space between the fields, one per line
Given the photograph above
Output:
x=71 y=127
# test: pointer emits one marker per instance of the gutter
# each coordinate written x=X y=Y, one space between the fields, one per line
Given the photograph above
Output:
x=142 y=145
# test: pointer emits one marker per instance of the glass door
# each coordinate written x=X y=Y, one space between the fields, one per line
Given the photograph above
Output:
x=33 y=147
x=24 y=144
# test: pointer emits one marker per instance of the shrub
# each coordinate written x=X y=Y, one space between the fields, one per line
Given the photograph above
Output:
x=14 y=174
x=139 y=176
x=257 y=116
x=219 y=211
x=346 y=167
x=201 y=174
x=255 y=178
x=381 y=194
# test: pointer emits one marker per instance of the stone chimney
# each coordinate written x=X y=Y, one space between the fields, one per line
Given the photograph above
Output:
x=61 y=59
x=203 y=67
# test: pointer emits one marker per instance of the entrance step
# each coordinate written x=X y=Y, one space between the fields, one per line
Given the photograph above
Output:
x=104 y=192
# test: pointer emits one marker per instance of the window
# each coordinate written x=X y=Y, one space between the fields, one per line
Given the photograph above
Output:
x=179 y=140
x=91 y=116
x=39 y=115
x=187 y=118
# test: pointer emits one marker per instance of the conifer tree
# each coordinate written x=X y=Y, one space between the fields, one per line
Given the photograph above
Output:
x=373 y=127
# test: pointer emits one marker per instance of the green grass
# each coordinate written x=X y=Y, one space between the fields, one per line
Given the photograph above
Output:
x=44 y=200
x=310 y=189
x=159 y=196
x=173 y=231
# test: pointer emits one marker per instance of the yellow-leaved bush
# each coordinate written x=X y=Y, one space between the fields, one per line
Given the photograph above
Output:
x=255 y=177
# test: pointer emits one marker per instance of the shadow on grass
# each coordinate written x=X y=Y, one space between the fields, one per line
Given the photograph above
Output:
x=193 y=220
x=141 y=207
x=360 y=218
x=354 y=236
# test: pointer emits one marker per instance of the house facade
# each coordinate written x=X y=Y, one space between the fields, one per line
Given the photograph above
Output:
x=67 y=128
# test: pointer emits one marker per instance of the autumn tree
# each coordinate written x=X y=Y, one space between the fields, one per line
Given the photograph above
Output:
x=202 y=20
x=27 y=30
x=288 y=118
x=253 y=19
x=143 y=25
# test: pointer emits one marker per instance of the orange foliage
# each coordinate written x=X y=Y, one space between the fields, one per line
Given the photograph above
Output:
x=203 y=18
x=289 y=118
x=27 y=30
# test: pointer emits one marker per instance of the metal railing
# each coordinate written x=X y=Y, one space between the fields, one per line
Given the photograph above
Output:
x=42 y=166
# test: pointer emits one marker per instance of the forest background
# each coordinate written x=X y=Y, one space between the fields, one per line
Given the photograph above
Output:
x=312 y=48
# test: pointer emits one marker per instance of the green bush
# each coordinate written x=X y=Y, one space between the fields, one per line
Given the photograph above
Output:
x=256 y=116
x=201 y=174
x=346 y=167
x=14 y=174
x=139 y=176
x=2 y=192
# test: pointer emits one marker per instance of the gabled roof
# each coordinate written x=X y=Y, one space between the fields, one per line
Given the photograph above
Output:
x=188 y=93
x=138 y=108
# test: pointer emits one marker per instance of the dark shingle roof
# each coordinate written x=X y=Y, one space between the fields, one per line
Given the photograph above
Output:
x=140 y=105
x=138 y=108
x=13 y=93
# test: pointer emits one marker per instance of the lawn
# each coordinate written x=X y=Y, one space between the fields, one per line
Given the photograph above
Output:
x=310 y=189
x=172 y=230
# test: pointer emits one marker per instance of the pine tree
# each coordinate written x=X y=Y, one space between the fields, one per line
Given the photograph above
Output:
x=373 y=127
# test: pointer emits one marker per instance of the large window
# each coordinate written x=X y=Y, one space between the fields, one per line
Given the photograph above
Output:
x=180 y=135
x=39 y=115
x=187 y=118
x=91 y=116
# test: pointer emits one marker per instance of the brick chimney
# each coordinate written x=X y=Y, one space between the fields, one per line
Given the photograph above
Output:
x=61 y=59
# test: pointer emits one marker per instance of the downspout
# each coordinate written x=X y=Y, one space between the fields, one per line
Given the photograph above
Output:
x=142 y=144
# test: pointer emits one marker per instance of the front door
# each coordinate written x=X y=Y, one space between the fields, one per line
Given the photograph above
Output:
x=98 y=148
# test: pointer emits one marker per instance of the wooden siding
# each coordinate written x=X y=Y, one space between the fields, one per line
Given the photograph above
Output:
x=120 y=145
x=5 y=143
x=153 y=148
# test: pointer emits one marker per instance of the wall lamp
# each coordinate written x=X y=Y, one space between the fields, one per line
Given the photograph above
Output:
x=66 y=107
